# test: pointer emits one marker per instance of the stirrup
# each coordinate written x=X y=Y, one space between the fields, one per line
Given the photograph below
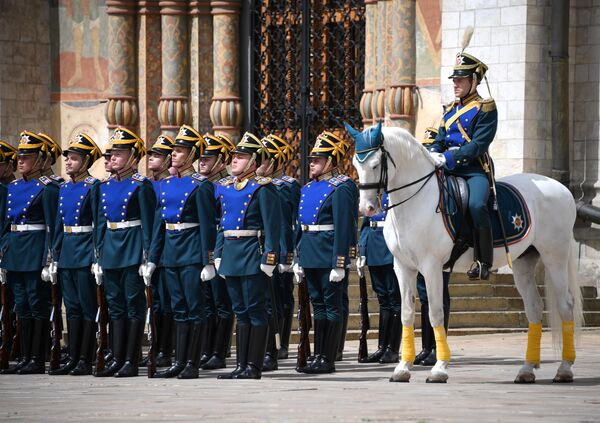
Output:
x=474 y=272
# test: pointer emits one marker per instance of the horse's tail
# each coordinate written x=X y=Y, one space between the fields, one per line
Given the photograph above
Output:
x=554 y=319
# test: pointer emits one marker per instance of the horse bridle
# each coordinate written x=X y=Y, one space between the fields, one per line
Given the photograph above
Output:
x=383 y=178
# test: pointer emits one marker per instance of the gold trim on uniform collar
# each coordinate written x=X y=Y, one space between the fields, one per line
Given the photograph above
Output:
x=327 y=176
x=241 y=182
x=218 y=176
x=186 y=172
x=33 y=175
x=127 y=174
x=81 y=177
x=469 y=98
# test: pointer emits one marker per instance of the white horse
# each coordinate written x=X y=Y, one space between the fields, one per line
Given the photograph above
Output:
x=416 y=236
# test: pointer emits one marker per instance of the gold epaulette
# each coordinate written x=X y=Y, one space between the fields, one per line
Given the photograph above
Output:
x=488 y=105
x=449 y=106
x=263 y=180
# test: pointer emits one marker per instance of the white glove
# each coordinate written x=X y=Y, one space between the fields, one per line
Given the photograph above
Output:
x=268 y=269
x=46 y=274
x=361 y=263
x=337 y=274
x=98 y=273
x=438 y=158
x=147 y=271
x=141 y=269
x=283 y=268
x=53 y=272
x=217 y=263
x=3 y=277
x=298 y=272
x=208 y=273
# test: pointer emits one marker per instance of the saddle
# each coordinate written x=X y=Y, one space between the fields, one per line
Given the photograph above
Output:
x=454 y=206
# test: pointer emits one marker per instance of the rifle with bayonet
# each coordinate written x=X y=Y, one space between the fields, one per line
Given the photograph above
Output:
x=151 y=322
x=304 y=324
x=365 y=324
x=57 y=327
x=101 y=315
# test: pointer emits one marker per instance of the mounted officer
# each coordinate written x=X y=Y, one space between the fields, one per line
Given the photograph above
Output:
x=251 y=231
x=213 y=165
x=74 y=252
x=126 y=219
x=183 y=243
x=467 y=129
x=327 y=217
x=280 y=152
x=31 y=213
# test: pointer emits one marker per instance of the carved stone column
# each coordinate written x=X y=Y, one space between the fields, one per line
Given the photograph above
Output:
x=226 y=107
x=366 y=101
x=173 y=109
x=381 y=54
x=121 y=108
x=201 y=64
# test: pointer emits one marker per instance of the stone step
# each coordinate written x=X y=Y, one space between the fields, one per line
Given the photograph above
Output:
x=495 y=278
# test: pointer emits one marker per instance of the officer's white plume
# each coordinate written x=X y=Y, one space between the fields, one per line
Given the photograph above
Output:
x=466 y=37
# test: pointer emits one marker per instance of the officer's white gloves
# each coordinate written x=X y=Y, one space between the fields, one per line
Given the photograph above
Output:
x=298 y=272
x=283 y=268
x=217 y=263
x=438 y=158
x=208 y=273
x=3 y=278
x=53 y=272
x=146 y=271
x=46 y=274
x=337 y=274
x=268 y=269
x=98 y=273
x=361 y=263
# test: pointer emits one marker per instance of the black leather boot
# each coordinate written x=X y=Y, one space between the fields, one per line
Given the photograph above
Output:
x=270 y=360
x=484 y=254
x=182 y=332
x=25 y=346
x=384 y=322
x=430 y=359
x=119 y=335
x=208 y=340
x=286 y=331
x=256 y=353
x=339 y=356
x=426 y=335
x=75 y=334
x=88 y=349
x=221 y=344
x=39 y=344
x=331 y=343
x=320 y=332
x=165 y=341
x=242 y=334
x=135 y=333
x=391 y=354
x=190 y=371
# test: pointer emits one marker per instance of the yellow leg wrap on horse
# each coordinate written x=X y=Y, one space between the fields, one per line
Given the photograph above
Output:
x=534 y=339
x=442 y=350
x=568 y=348
x=408 y=344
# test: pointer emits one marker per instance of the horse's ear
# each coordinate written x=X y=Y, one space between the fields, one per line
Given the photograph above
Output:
x=353 y=132
x=376 y=131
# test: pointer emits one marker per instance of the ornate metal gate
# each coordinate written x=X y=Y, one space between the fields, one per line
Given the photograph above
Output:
x=308 y=71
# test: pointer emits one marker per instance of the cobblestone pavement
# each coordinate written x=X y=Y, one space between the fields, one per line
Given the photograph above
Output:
x=480 y=389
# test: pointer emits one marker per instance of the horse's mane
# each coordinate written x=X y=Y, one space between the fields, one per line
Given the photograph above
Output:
x=403 y=141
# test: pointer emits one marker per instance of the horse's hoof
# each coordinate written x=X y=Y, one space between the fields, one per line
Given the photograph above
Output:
x=563 y=377
x=437 y=377
x=400 y=377
x=525 y=378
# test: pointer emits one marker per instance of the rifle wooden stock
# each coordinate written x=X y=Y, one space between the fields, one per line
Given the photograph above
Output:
x=56 y=329
x=151 y=321
x=365 y=324
x=304 y=324
x=6 y=328
x=101 y=334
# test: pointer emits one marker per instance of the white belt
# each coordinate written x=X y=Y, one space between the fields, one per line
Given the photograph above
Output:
x=180 y=226
x=27 y=228
x=317 y=228
x=242 y=233
x=378 y=224
x=77 y=229
x=123 y=225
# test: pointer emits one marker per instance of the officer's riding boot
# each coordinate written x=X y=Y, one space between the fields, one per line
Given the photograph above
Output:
x=221 y=344
x=431 y=358
x=340 y=351
x=75 y=333
x=242 y=337
x=330 y=349
x=426 y=335
x=286 y=331
x=181 y=346
x=165 y=339
x=190 y=370
x=39 y=345
x=270 y=360
x=256 y=352
x=208 y=340
x=119 y=335
x=391 y=354
x=384 y=326
x=25 y=346
x=320 y=332
x=88 y=348
x=134 y=349
x=484 y=254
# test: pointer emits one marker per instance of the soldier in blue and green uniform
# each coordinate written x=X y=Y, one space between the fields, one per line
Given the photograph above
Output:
x=219 y=314
x=427 y=356
x=74 y=253
x=375 y=254
x=467 y=129
x=31 y=213
x=126 y=216
x=183 y=243
x=251 y=233
x=281 y=152
x=159 y=162
x=327 y=219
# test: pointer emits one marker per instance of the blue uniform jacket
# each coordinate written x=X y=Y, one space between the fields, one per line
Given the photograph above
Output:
x=289 y=197
x=251 y=207
x=329 y=200
x=78 y=206
x=32 y=202
x=189 y=199
x=465 y=134
x=372 y=243
x=131 y=198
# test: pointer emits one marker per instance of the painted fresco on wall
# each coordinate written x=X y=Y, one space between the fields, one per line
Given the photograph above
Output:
x=428 y=42
x=80 y=51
